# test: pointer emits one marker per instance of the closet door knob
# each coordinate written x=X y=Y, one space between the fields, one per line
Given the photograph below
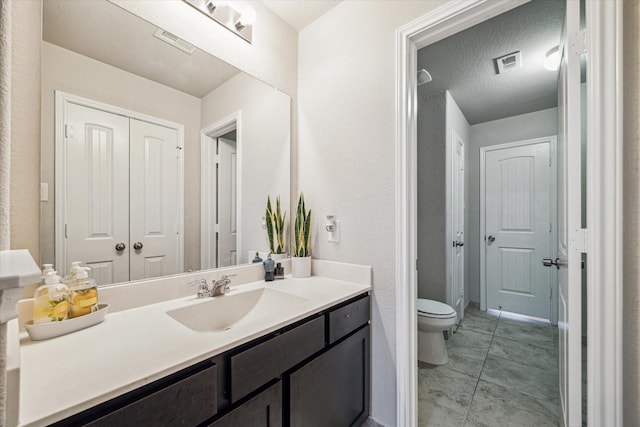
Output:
x=491 y=239
x=137 y=246
x=120 y=247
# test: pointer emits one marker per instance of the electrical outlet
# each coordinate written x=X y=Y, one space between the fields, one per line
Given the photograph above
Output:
x=335 y=235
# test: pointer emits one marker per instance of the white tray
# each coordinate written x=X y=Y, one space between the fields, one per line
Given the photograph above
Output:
x=45 y=331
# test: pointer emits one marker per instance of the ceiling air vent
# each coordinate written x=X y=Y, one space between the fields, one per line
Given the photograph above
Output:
x=175 y=41
x=508 y=62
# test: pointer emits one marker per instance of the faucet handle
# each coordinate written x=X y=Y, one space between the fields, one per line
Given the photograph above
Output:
x=226 y=276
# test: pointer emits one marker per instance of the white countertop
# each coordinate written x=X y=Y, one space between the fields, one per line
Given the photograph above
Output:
x=131 y=348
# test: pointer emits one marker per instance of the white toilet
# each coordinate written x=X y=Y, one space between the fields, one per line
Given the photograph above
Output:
x=433 y=318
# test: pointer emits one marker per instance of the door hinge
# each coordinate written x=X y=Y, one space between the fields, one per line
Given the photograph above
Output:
x=578 y=43
x=68 y=130
x=217 y=228
x=217 y=159
x=579 y=240
x=550 y=227
x=66 y=236
x=416 y=264
x=550 y=292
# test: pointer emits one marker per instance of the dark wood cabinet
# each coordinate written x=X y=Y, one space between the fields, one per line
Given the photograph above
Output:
x=333 y=389
x=263 y=362
x=263 y=410
x=314 y=372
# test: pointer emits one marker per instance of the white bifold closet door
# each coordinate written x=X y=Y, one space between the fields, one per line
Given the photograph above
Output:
x=121 y=193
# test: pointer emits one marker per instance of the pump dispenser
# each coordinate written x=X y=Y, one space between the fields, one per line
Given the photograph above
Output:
x=83 y=291
x=51 y=300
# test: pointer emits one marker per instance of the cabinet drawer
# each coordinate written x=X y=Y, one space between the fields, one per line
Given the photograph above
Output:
x=347 y=319
x=263 y=410
x=260 y=364
x=187 y=402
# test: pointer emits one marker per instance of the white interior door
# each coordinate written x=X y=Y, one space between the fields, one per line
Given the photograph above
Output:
x=518 y=227
x=457 y=222
x=97 y=193
x=570 y=235
x=154 y=223
x=227 y=203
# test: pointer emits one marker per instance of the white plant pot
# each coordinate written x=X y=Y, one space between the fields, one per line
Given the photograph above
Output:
x=279 y=257
x=301 y=266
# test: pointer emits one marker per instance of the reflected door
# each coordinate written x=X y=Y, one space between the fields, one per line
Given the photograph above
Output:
x=97 y=193
x=227 y=202
x=519 y=228
x=154 y=205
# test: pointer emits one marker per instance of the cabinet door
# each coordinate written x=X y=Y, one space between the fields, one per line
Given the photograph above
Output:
x=333 y=389
x=264 y=410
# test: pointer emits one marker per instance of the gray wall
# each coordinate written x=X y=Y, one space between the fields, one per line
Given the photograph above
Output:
x=517 y=128
x=431 y=197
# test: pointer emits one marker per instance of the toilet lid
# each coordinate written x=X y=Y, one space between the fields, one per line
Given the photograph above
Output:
x=434 y=308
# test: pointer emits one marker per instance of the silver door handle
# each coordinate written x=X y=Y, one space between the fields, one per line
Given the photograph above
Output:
x=137 y=246
x=120 y=247
x=458 y=243
x=548 y=262
x=491 y=239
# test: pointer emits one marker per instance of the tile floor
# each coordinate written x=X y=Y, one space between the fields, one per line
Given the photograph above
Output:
x=502 y=371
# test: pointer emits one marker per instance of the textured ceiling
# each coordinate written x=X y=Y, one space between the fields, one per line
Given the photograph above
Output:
x=105 y=32
x=300 y=13
x=464 y=63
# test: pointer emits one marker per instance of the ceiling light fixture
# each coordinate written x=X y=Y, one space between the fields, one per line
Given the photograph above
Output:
x=423 y=77
x=238 y=19
x=552 y=59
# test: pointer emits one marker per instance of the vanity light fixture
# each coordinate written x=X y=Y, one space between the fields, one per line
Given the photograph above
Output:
x=238 y=19
x=552 y=59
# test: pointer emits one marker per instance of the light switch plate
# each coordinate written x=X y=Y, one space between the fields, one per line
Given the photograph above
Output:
x=44 y=192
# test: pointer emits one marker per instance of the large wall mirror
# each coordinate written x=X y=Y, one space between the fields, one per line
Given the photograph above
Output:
x=156 y=156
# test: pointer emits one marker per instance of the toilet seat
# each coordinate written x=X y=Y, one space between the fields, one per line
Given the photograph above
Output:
x=434 y=309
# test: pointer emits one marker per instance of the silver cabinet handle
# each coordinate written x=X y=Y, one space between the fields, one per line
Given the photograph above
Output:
x=137 y=246
x=120 y=247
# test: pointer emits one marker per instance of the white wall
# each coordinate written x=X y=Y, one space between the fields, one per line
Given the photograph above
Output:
x=264 y=145
x=438 y=116
x=456 y=121
x=511 y=129
x=346 y=141
x=78 y=75
x=431 y=190
x=631 y=212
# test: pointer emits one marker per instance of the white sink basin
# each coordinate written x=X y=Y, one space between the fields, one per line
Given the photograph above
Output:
x=222 y=312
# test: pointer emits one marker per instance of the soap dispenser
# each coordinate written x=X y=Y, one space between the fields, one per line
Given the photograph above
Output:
x=51 y=300
x=83 y=291
x=269 y=267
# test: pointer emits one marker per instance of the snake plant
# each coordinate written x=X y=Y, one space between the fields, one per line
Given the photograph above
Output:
x=275 y=226
x=302 y=230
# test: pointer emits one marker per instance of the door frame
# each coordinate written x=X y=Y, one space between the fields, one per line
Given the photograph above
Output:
x=604 y=193
x=553 y=208
x=62 y=100
x=208 y=185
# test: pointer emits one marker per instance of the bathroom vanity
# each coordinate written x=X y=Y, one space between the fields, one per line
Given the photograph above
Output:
x=298 y=356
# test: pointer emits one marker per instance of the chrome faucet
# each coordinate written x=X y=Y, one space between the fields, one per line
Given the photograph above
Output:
x=203 y=287
x=221 y=286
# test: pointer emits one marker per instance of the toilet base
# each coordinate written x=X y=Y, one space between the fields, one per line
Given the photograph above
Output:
x=432 y=348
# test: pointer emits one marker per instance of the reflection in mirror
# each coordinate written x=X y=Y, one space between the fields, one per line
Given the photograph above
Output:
x=158 y=157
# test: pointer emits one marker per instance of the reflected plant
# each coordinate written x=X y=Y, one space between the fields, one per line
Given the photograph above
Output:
x=275 y=226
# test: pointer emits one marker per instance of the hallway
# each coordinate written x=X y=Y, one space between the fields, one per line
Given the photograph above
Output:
x=502 y=371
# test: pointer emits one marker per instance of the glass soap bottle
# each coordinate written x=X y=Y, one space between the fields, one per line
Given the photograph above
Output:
x=83 y=291
x=51 y=300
